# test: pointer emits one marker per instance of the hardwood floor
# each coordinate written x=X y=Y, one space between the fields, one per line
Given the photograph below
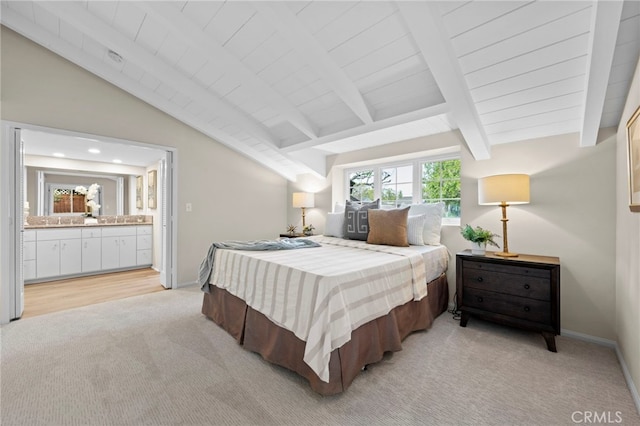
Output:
x=44 y=298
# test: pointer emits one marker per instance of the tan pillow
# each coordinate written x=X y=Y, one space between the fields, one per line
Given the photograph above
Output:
x=388 y=227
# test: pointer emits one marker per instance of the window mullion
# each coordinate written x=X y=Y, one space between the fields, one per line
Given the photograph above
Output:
x=417 y=182
x=377 y=185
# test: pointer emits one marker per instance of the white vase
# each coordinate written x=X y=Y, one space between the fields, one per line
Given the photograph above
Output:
x=478 y=249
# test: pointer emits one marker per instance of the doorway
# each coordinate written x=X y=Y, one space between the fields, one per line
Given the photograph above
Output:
x=54 y=296
x=12 y=226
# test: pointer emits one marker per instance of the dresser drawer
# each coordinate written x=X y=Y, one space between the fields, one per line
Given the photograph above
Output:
x=519 y=285
x=513 y=268
x=517 y=307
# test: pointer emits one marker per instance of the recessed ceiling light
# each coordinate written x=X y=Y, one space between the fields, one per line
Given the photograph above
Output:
x=94 y=150
x=58 y=154
x=117 y=161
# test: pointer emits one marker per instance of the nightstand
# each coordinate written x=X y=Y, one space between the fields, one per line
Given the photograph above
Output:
x=521 y=291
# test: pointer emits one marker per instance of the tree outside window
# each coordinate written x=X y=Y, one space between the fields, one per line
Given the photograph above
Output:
x=397 y=186
x=418 y=181
x=441 y=182
x=361 y=186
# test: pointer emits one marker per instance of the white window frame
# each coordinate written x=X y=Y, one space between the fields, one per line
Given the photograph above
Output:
x=50 y=187
x=417 y=178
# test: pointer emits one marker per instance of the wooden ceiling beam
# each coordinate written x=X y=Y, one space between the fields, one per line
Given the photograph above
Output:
x=372 y=127
x=425 y=24
x=602 y=43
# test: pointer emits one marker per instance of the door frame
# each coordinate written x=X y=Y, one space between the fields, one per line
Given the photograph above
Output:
x=11 y=220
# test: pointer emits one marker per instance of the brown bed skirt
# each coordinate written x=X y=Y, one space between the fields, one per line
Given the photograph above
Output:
x=256 y=333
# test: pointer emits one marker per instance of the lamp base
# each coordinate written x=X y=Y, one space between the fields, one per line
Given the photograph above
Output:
x=505 y=254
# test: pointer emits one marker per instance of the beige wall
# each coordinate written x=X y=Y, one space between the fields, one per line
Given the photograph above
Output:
x=233 y=197
x=571 y=215
x=628 y=251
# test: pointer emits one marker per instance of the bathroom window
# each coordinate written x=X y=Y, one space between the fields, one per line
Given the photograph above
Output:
x=64 y=200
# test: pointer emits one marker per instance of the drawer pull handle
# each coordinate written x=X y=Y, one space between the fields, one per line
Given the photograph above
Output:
x=526 y=309
x=527 y=286
x=479 y=299
x=480 y=279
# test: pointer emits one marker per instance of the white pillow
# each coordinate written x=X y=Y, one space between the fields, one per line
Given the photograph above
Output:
x=433 y=224
x=334 y=227
x=415 y=229
x=338 y=208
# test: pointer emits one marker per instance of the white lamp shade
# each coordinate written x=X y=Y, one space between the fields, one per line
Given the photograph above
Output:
x=303 y=199
x=510 y=189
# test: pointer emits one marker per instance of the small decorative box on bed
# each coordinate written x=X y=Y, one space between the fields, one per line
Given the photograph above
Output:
x=326 y=312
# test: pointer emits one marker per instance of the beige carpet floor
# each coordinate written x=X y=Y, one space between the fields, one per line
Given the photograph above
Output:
x=155 y=360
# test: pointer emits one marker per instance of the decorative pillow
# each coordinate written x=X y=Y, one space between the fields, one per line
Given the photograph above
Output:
x=338 y=208
x=388 y=227
x=433 y=224
x=356 y=219
x=335 y=225
x=415 y=229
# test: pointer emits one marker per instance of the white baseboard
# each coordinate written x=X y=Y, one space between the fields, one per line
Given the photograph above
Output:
x=188 y=283
x=614 y=345
x=627 y=376
x=588 y=338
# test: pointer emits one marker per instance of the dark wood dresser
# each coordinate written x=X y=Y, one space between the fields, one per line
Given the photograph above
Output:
x=521 y=291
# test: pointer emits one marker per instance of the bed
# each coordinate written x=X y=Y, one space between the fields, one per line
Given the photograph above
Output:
x=327 y=312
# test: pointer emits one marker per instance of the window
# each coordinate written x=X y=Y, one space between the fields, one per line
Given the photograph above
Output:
x=441 y=182
x=397 y=186
x=419 y=181
x=361 y=186
x=64 y=200
x=67 y=201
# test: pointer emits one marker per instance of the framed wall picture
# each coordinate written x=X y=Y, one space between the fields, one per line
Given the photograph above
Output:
x=633 y=149
x=139 y=192
x=152 y=185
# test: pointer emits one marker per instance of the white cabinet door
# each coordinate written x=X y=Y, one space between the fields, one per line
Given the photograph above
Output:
x=29 y=250
x=91 y=254
x=70 y=256
x=110 y=252
x=144 y=257
x=29 y=269
x=144 y=242
x=29 y=257
x=128 y=251
x=48 y=258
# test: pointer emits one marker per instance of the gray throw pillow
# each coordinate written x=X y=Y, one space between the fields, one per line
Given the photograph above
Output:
x=356 y=219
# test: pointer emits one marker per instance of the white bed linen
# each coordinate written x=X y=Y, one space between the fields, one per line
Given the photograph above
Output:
x=322 y=294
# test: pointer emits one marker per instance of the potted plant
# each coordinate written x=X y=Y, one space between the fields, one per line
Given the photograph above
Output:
x=479 y=238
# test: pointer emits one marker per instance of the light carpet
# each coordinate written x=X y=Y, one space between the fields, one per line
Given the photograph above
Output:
x=155 y=359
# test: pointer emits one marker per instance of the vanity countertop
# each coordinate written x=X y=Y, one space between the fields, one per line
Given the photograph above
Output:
x=56 y=222
x=83 y=225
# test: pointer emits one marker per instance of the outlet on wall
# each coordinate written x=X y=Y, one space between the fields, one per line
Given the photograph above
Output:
x=189 y=207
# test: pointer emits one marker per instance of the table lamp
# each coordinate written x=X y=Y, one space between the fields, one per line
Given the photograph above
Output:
x=303 y=200
x=504 y=190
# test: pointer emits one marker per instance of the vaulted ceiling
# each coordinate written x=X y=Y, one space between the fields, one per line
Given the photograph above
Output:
x=289 y=82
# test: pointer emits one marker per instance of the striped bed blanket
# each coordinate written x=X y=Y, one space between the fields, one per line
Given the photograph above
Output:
x=323 y=294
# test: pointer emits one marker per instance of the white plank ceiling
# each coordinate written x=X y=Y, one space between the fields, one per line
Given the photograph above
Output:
x=288 y=83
